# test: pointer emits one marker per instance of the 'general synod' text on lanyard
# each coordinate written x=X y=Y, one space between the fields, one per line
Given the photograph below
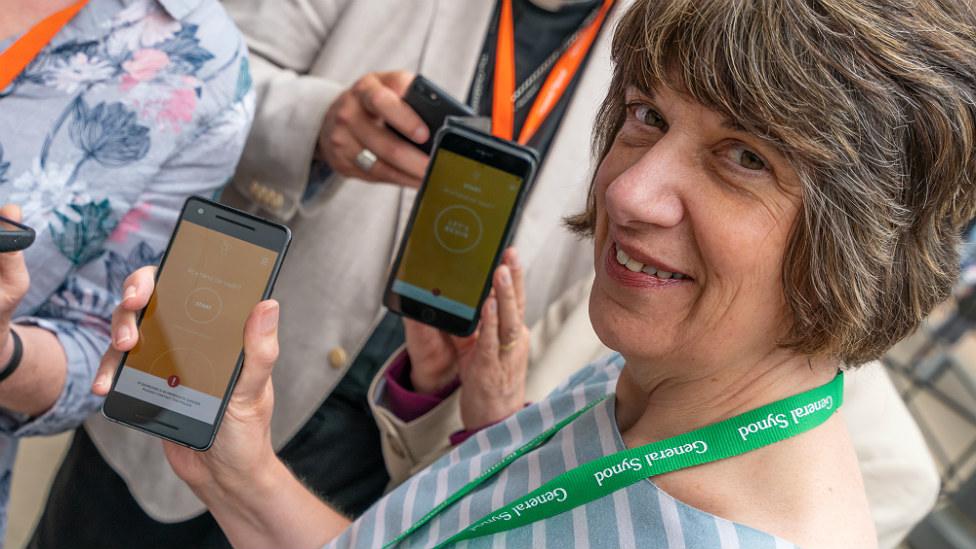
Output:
x=738 y=435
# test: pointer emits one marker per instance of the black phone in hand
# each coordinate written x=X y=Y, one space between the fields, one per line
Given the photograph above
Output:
x=433 y=105
x=463 y=218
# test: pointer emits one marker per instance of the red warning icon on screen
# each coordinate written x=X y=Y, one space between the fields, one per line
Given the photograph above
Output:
x=173 y=380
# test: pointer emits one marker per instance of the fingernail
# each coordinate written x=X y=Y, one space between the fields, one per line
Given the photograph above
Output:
x=420 y=135
x=122 y=335
x=493 y=305
x=269 y=321
x=130 y=291
x=505 y=276
x=99 y=383
x=516 y=262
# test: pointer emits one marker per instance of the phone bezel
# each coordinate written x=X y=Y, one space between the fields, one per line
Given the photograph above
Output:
x=167 y=424
x=488 y=150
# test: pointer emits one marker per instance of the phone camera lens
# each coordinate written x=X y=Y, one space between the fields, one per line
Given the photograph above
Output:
x=200 y=211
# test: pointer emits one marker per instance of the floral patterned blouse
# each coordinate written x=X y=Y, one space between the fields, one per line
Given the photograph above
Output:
x=135 y=105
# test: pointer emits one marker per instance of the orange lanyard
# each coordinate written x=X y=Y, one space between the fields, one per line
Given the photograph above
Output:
x=502 y=106
x=16 y=58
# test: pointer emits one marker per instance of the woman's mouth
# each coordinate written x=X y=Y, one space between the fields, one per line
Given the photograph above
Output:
x=631 y=272
x=634 y=266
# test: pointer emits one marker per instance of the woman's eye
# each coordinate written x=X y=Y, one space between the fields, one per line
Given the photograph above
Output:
x=747 y=159
x=648 y=116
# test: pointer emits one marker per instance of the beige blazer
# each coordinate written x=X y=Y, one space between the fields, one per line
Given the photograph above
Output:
x=304 y=52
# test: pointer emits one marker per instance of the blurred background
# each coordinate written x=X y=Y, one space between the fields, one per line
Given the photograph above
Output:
x=935 y=372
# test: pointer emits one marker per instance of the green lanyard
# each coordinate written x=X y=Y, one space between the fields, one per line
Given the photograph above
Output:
x=737 y=435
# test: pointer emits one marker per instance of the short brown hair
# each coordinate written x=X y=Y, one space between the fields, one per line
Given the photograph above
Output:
x=874 y=104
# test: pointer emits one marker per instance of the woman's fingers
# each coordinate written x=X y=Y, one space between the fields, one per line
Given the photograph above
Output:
x=138 y=288
x=356 y=122
x=382 y=95
x=136 y=291
x=487 y=344
x=339 y=146
x=392 y=150
x=260 y=352
x=518 y=278
x=125 y=335
x=493 y=375
x=509 y=316
x=106 y=370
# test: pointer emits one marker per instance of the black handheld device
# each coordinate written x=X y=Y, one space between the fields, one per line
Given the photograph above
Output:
x=433 y=105
x=176 y=382
x=463 y=218
x=14 y=236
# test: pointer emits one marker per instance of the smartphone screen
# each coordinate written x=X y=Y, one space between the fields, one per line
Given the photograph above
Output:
x=191 y=332
x=456 y=237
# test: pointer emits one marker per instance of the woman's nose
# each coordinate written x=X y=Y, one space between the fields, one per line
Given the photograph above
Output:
x=649 y=191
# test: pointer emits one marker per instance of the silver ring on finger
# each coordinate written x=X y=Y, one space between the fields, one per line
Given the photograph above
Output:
x=365 y=159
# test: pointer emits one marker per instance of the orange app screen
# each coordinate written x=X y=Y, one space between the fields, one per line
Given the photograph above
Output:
x=456 y=233
x=192 y=332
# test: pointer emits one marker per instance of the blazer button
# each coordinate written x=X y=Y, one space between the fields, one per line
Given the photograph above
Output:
x=337 y=357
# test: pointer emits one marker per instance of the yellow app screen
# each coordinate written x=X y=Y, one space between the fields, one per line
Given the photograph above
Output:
x=456 y=233
x=191 y=334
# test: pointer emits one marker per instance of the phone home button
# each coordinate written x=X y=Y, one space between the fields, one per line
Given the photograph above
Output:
x=428 y=315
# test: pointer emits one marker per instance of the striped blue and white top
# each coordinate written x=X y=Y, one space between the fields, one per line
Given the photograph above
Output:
x=641 y=515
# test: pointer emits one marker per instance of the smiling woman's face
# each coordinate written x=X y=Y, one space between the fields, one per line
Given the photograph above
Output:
x=693 y=217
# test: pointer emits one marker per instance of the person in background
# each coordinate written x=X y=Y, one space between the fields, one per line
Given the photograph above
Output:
x=329 y=76
x=757 y=229
x=127 y=109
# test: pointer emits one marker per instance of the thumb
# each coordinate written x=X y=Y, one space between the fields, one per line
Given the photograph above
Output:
x=11 y=211
x=260 y=351
x=418 y=331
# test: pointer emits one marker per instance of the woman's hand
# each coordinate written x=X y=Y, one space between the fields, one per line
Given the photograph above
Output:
x=242 y=450
x=491 y=363
x=39 y=379
x=252 y=494
x=14 y=283
x=356 y=122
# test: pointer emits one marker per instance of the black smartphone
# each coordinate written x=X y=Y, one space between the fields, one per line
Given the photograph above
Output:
x=433 y=105
x=176 y=382
x=462 y=220
x=14 y=236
